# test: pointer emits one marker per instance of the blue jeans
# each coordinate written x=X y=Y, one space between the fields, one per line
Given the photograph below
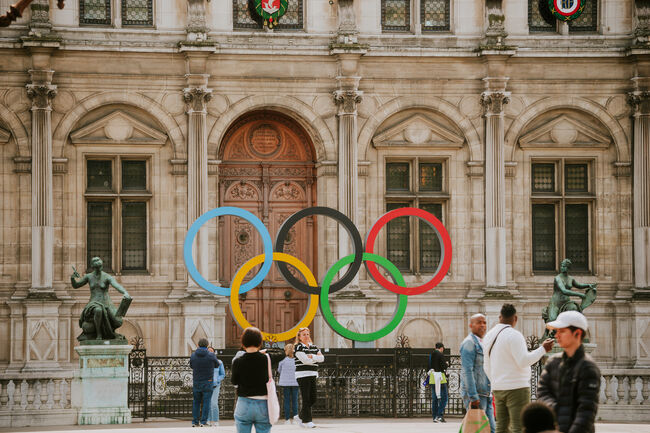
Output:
x=486 y=405
x=438 y=404
x=250 y=412
x=202 y=393
x=290 y=401
x=214 y=403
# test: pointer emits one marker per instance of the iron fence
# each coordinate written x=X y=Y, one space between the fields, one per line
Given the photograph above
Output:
x=351 y=383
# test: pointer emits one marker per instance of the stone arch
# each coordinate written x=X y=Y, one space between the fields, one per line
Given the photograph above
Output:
x=424 y=332
x=321 y=136
x=138 y=100
x=430 y=103
x=130 y=329
x=17 y=130
x=591 y=108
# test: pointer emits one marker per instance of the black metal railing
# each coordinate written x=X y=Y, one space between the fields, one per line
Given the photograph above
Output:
x=351 y=383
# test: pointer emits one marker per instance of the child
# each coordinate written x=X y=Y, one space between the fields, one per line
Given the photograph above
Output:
x=219 y=374
x=287 y=370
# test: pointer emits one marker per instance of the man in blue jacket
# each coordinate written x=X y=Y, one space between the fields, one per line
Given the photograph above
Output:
x=203 y=363
x=474 y=384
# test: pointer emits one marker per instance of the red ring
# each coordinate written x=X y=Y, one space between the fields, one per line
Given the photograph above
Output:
x=446 y=256
x=568 y=13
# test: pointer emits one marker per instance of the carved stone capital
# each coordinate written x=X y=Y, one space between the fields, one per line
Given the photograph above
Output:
x=197 y=98
x=493 y=102
x=639 y=101
x=347 y=100
x=41 y=95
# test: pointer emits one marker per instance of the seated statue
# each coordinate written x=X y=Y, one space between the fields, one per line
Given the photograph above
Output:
x=561 y=300
x=99 y=319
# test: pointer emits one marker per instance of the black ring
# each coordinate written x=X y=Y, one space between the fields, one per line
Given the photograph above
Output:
x=341 y=219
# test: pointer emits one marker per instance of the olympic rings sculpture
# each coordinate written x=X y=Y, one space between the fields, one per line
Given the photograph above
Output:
x=319 y=295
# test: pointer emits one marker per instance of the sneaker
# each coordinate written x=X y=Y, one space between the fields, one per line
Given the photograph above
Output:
x=442 y=419
x=195 y=425
x=310 y=425
x=436 y=420
x=287 y=421
x=296 y=419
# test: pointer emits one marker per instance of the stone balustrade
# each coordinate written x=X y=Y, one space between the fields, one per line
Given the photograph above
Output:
x=624 y=395
x=35 y=399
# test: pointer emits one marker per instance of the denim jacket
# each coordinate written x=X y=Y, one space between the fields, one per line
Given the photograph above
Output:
x=473 y=380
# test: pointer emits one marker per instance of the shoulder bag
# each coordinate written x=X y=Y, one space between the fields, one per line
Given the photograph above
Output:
x=272 y=396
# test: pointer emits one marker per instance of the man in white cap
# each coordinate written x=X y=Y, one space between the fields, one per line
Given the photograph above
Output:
x=570 y=381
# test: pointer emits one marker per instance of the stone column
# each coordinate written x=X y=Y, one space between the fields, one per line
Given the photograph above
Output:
x=41 y=92
x=640 y=101
x=197 y=169
x=347 y=99
x=495 y=230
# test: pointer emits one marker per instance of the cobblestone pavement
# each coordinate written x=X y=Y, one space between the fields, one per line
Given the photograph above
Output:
x=346 y=425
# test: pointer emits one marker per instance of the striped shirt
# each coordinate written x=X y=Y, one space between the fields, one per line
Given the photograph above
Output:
x=306 y=366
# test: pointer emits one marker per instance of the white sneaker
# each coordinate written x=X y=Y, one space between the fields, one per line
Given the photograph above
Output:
x=310 y=425
x=287 y=422
x=296 y=418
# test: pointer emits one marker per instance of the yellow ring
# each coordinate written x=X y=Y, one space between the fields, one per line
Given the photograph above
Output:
x=246 y=268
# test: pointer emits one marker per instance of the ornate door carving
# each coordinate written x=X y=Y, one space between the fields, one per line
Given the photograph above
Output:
x=268 y=169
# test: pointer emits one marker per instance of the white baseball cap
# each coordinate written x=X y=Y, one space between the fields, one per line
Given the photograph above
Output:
x=569 y=318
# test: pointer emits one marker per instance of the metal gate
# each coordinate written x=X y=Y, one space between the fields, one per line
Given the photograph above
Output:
x=351 y=383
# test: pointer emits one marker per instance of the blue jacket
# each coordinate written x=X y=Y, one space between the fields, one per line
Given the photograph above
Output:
x=219 y=374
x=473 y=380
x=203 y=363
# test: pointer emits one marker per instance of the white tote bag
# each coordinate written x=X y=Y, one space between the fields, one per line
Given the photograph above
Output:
x=272 y=395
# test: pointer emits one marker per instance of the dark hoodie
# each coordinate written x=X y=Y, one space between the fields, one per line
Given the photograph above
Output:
x=203 y=363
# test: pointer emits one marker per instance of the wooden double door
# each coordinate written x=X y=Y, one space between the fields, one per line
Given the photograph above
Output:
x=268 y=169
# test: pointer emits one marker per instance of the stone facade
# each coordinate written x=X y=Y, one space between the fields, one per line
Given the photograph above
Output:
x=484 y=105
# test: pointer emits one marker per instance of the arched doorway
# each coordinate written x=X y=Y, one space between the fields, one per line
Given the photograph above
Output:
x=268 y=169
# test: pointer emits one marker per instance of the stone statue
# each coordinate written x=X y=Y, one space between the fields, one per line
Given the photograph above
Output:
x=561 y=300
x=100 y=318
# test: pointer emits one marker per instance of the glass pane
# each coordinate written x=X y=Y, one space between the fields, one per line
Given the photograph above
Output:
x=95 y=12
x=536 y=22
x=544 y=237
x=577 y=236
x=399 y=238
x=396 y=15
x=543 y=177
x=137 y=12
x=134 y=175
x=100 y=176
x=588 y=20
x=397 y=176
x=431 y=177
x=134 y=235
x=245 y=17
x=100 y=233
x=576 y=178
x=434 y=15
x=430 y=250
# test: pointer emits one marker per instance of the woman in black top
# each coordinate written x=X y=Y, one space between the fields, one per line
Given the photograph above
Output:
x=250 y=374
x=308 y=356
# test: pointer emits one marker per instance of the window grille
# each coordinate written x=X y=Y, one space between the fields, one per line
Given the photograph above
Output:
x=536 y=22
x=543 y=177
x=430 y=177
x=576 y=178
x=397 y=176
x=99 y=176
x=95 y=12
x=430 y=250
x=396 y=15
x=434 y=15
x=134 y=235
x=100 y=233
x=137 y=12
x=544 y=237
x=577 y=235
x=245 y=17
x=588 y=19
x=134 y=175
x=399 y=238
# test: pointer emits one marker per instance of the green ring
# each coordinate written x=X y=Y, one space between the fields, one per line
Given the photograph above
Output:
x=400 y=310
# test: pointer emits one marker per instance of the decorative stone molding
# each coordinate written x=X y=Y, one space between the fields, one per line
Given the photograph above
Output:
x=327 y=169
x=347 y=101
x=213 y=167
x=511 y=168
x=118 y=128
x=59 y=165
x=4 y=136
x=41 y=95
x=23 y=164
x=40 y=24
x=642 y=27
x=493 y=102
x=564 y=132
x=347 y=31
x=179 y=167
x=197 y=98
x=197 y=29
x=640 y=102
x=418 y=131
x=364 y=168
x=622 y=169
x=475 y=168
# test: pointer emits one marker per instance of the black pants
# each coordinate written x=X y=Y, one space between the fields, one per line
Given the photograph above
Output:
x=308 y=393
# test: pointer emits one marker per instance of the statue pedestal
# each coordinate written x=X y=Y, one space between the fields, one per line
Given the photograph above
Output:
x=100 y=386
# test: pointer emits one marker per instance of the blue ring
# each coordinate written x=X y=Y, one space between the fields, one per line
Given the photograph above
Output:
x=241 y=213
